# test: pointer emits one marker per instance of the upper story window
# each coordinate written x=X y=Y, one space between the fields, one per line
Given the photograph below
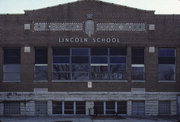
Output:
x=11 y=66
x=61 y=64
x=138 y=64
x=167 y=63
x=41 y=64
x=89 y=64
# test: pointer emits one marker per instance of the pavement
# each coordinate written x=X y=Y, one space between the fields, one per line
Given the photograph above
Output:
x=89 y=119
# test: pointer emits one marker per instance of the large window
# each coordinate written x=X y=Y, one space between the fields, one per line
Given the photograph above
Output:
x=138 y=108
x=166 y=63
x=138 y=69
x=69 y=107
x=11 y=66
x=164 y=107
x=40 y=107
x=89 y=64
x=41 y=65
x=110 y=107
x=12 y=108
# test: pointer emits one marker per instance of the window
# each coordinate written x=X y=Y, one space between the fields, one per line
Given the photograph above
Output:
x=12 y=108
x=80 y=63
x=138 y=108
x=69 y=107
x=118 y=63
x=80 y=107
x=98 y=107
x=61 y=64
x=11 y=66
x=164 y=107
x=40 y=107
x=57 y=107
x=110 y=107
x=138 y=69
x=166 y=63
x=89 y=64
x=41 y=66
x=121 y=107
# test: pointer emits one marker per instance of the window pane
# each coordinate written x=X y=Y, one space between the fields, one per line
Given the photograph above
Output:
x=117 y=59
x=137 y=73
x=80 y=59
x=99 y=51
x=98 y=108
x=61 y=76
x=138 y=108
x=122 y=107
x=99 y=60
x=166 y=52
x=12 y=56
x=80 y=108
x=61 y=68
x=110 y=107
x=80 y=76
x=11 y=72
x=57 y=107
x=164 y=107
x=80 y=67
x=118 y=51
x=11 y=76
x=11 y=68
x=60 y=59
x=99 y=76
x=61 y=51
x=40 y=55
x=80 y=51
x=166 y=60
x=68 y=108
x=118 y=76
x=99 y=69
x=40 y=107
x=166 y=72
x=137 y=55
x=41 y=73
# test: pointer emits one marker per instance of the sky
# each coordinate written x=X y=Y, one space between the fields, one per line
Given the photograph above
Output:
x=159 y=6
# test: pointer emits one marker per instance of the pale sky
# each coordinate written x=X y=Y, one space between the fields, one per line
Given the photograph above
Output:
x=160 y=6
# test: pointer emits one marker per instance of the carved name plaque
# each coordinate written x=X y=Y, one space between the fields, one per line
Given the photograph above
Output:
x=121 y=27
x=58 y=26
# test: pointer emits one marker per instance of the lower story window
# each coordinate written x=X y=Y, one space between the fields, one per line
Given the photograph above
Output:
x=40 y=107
x=12 y=108
x=138 y=108
x=69 y=107
x=57 y=107
x=164 y=107
x=110 y=107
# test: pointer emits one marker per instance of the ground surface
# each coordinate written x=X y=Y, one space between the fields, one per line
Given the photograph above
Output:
x=89 y=119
